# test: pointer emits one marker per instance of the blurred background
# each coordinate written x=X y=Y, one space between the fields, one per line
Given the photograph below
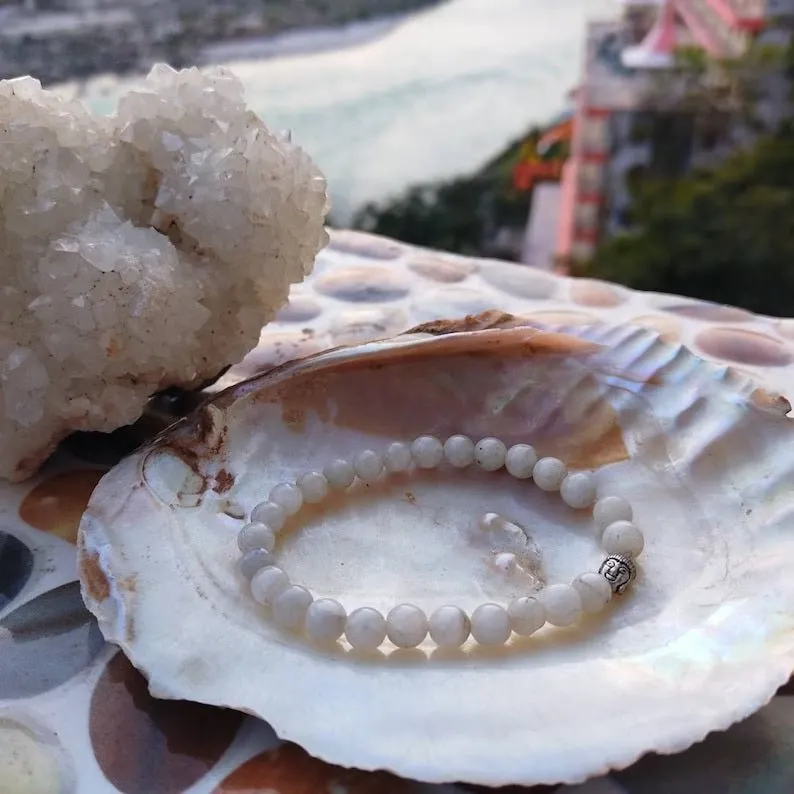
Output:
x=648 y=142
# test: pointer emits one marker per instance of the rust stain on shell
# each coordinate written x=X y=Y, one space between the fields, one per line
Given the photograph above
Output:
x=92 y=576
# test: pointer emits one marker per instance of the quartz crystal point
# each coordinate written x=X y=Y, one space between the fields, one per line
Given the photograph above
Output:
x=138 y=251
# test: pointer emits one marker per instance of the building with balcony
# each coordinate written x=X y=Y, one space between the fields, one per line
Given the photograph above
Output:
x=622 y=57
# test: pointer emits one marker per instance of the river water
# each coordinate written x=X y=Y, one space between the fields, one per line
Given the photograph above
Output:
x=435 y=96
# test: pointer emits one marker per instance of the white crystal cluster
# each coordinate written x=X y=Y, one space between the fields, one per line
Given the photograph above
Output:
x=138 y=251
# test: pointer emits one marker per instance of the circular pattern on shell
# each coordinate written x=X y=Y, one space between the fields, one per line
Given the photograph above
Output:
x=520 y=281
x=668 y=328
x=451 y=302
x=299 y=309
x=445 y=271
x=363 y=325
x=359 y=284
x=364 y=245
x=744 y=347
x=709 y=312
x=590 y=292
x=560 y=317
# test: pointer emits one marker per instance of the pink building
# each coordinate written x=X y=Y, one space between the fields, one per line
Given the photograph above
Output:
x=619 y=57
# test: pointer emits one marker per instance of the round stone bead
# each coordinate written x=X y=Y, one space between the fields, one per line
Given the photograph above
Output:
x=325 y=620
x=368 y=465
x=314 y=487
x=268 y=583
x=562 y=604
x=520 y=461
x=490 y=624
x=490 y=454
x=365 y=628
x=398 y=457
x=256 y=536
x=578 y=489
x=270 y=514
x=427 y=451
x=549 y=474
x=623 y=537
x=288 y=497
x=459 y=451
x=339 y=473
x=449 y=626
x=594 y=591
x=290 y=605
x=406 y=625
x=610 y=509
x=253 y=561
x=526 y=615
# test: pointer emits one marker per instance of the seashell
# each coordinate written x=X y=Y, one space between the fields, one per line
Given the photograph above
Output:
x=704 y=638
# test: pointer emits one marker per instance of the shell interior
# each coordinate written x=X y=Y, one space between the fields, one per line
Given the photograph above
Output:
x=703 y=639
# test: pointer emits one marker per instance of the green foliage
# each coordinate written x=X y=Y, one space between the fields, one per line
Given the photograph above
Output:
x=461 y=215
x=724 y=235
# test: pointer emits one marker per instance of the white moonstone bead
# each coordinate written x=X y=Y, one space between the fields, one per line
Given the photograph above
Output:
x=549 y=474
x=288 y=497
x=449 y=626
x=406 y=625
x=490 y=454
x=365 y=628
x=256 y=536
x=427 y=451
x=490 y=624
x=339 y=473
x=562 y=604
x=594 y=590
x=325 y=620
x=526 y=615
x=270 y=514
x=398 y=457
x=268 y=583
x=459 y=451
x=578 y=489
x=290 y=605
x=314 y=487
x=520 y=461
x=368 y=465
x=253 y=561
x=610 y=509
x=623 y=537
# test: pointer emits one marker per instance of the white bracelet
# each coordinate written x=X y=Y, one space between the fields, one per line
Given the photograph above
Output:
x=406 y=626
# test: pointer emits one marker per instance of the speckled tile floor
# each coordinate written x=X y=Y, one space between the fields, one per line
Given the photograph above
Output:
x=76 y=717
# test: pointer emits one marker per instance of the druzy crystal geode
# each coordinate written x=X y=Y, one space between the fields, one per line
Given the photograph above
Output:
x=138 y=251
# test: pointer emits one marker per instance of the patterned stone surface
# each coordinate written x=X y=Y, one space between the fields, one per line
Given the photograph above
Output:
x=16 y=564
x=75 y=717
x=145 y=745
x=31 y=761
x=46 y=642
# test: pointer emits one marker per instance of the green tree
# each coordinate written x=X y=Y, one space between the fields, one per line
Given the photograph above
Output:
x=461 y=215
x=724 y=235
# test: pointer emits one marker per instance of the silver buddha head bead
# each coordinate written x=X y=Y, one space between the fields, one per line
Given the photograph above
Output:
x=620 y=571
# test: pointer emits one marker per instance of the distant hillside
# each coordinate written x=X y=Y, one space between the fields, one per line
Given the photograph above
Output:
x=67 y=42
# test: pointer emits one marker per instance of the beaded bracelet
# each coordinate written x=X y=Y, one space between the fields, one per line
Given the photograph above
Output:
x=406 y=625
